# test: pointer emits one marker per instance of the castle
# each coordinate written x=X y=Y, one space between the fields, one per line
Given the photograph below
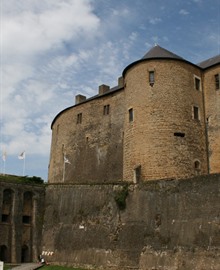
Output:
x=134 y=175
x=161 y=121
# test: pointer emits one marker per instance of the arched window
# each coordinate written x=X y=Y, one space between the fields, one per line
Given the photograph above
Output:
x=7 y=204
x=197 y=166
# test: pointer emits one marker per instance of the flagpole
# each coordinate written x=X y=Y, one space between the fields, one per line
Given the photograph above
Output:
x=64 y=169
x=23 y=166
x=23 y=156
x=4 y=167
x=4 y=161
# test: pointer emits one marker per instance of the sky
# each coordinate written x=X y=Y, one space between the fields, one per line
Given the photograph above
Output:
x=52 y=50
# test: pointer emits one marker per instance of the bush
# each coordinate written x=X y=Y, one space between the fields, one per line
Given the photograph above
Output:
x=120 y=197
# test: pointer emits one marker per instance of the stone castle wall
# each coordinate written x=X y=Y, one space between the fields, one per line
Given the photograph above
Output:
x=21 y=221
x=94 y=146
x=163 y=140
x=161 y=111
x=166 y=224
x=212 y=107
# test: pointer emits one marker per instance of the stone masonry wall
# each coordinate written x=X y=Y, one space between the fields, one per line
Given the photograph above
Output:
x=16 y=233
x=212 y=107
x=160 y=111
x=166 y=224
x=93 y=147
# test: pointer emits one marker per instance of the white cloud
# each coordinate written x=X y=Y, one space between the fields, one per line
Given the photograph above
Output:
x=155 y=20
x=28 y=32
x=32 y=32
x=183 y=12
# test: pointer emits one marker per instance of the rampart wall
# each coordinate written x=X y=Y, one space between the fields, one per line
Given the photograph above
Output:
x=21 y=221
x=165 y=224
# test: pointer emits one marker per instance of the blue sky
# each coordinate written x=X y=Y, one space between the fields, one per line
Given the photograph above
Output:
x=52 y=50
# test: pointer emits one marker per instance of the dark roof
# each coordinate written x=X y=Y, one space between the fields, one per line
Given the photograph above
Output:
x=210 y=62
x=159 y=52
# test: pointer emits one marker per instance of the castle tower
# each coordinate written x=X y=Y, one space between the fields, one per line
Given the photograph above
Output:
x=164 y=128
x=211 y=80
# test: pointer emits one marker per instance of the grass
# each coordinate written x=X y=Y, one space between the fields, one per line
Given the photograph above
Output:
x=6 y=267
x=22 y=179
x=56 y=267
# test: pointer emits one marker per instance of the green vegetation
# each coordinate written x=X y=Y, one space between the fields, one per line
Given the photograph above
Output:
x=6 y=267
x=56 y=267
x=22 y=179
x=120 y=197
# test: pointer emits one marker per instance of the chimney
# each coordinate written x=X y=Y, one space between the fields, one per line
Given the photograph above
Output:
x=120 y=81
x=79 y=99
x=103 y=89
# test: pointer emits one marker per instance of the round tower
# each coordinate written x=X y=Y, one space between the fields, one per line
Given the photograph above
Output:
x=164 y=128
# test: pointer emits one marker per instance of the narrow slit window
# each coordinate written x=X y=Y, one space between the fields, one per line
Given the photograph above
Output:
x=217 y=85
x=79 y=118
x=151 y=78
x=106 y=109
x=131 y=115
x=196 y=113
x=197 y=84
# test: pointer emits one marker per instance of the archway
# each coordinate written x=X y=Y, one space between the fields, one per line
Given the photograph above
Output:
x=25 y=254
x=4 y=253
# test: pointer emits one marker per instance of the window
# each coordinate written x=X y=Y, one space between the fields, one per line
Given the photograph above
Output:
x=217 y=85
x=197 y=167
x=131 y=115
x=106 y=109
x=137 y=174
x=196 y=113
x=79 y=118
x=151 y=78
x=179 y=134
x=26 y=219
x=197 y=83
x=5 y=218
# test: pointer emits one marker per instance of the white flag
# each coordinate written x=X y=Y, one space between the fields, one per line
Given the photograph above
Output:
x=66 y=160
x=22 y=155
x=4 y=156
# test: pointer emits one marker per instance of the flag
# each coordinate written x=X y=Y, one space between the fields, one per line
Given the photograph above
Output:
x=4 y=156
x=22 y=155
x=66 y=160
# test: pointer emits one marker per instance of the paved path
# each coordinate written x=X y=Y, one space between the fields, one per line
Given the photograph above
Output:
x=27 y=266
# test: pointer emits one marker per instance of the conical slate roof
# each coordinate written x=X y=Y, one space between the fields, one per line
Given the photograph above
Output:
x=159 y=52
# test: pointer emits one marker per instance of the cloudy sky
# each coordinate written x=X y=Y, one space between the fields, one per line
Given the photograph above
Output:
x=52 y=50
